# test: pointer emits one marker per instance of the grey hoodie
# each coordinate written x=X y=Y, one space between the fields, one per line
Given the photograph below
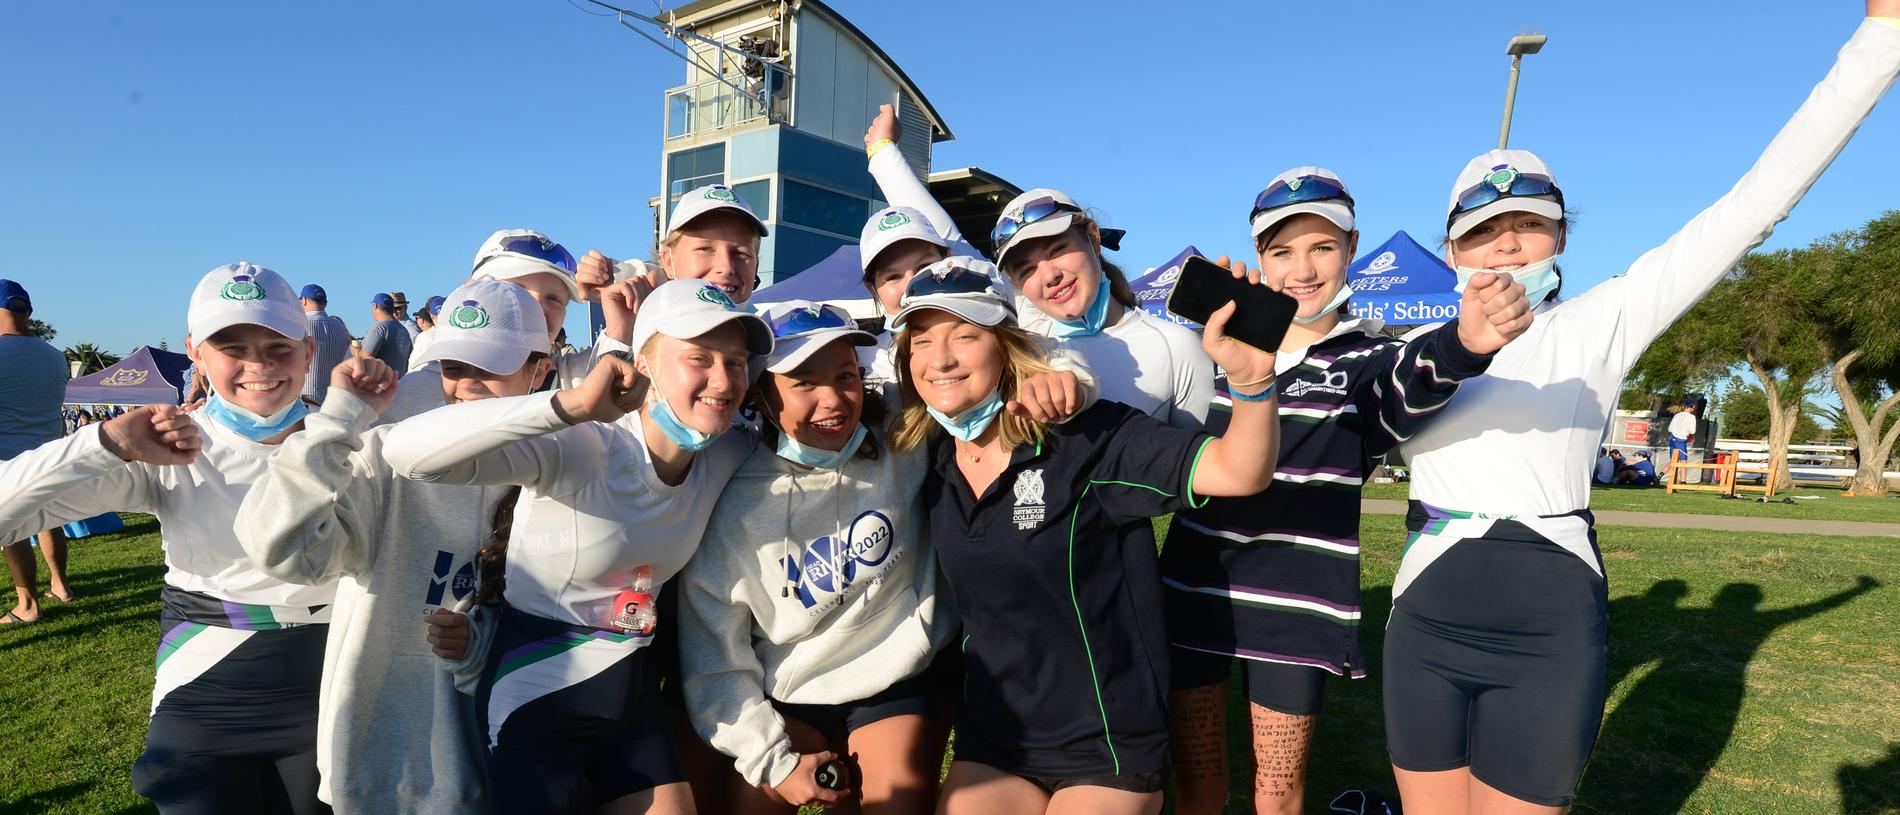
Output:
x=393 y=733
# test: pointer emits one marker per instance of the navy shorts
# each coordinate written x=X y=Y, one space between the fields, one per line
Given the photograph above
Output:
x=913 y=696
x=1296 y=690
x=1495 y=659
x=570 y=746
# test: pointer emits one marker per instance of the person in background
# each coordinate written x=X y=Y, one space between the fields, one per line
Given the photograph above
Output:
x=419 y=357
x=387 y=339
x=1642 y=473
x=333 y=345
x=1682 y=434
x=1605 y=467
x=402 y=314
x=33 y=377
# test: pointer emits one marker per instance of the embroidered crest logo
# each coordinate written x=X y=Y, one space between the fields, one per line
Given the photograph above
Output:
x=720 y=194
x=892 y=220
x=1334 y=382
x=1030 y=509
x=469 y=316
x=1293 y=185
x=241 y=288
x=1501 y=177
x=712 y=294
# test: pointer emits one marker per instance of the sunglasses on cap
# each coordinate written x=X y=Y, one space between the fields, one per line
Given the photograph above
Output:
x=1502 y=183
x=1032 y=213
x=1301 y=190
x=954 y=281
x=537 y=248
x=806 y=320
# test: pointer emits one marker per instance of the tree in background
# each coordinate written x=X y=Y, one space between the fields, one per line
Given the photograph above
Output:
x=1858 y=275
x=1745 y=414
x=40 y=329
x=91 y=359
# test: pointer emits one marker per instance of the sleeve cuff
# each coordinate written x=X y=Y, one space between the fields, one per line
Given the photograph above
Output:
x=1196 y=501
x=779 y=765
x=1452 y=358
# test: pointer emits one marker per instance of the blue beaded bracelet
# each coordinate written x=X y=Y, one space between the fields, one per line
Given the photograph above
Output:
x=1257 y=397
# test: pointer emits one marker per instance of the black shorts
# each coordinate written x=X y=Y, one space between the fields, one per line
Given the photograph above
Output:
x=582 y=744
x=1495 y=659
x=1143 y=783
x=1296 y=690
x=913 y=696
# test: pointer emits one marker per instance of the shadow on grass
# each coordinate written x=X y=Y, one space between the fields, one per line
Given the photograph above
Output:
x=42 y=800
x=1872 y=788
x=1661 y=740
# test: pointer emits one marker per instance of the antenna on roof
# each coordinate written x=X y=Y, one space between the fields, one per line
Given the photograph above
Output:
x=768 y=51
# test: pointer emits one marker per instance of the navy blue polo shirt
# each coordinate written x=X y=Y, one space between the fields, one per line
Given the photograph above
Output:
x=1054 y=573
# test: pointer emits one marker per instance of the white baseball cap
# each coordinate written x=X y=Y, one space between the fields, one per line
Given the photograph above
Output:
x=963 y=286
x=890 y=225
x=711 y=198
x=685 y=309
x=801 y=327
x=1337 y=210
x=489 y=324
x=244 y=294
x=512 y=253
x=1055 y=223
x=1500 y=170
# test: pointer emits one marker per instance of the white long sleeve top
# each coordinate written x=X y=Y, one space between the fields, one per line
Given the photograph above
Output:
x=592 y=509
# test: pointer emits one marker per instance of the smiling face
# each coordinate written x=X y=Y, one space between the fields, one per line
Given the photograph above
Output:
x=821 y=402
x=720 y=248
x=1059 y=274
x=954 y=365
x=253 y=367
x=892 y=270
x=703 y=378
x=1306 y=257
x=1508 y=242
x=462 y=382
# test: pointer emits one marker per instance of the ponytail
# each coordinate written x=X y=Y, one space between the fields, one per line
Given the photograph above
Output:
x=491 y=562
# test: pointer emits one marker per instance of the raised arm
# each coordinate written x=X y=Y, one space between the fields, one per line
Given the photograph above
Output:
x=1668 y=280
x=104 y=467
x=1242 y=460
x=900 y=186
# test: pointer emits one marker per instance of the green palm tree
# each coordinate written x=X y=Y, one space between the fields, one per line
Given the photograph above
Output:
x=91 y=359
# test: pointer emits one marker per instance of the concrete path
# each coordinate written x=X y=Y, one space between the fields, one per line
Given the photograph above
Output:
x=1730 y=523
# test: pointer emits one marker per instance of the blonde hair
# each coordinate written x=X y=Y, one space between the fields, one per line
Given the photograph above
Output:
x=1023 y=357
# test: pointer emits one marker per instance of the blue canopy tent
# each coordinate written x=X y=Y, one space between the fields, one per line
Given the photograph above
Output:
x=148 y=377
x=839 y=278
x=1151 y=289
x=1403 y=284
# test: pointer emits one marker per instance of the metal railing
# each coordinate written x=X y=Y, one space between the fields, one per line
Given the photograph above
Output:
x=716 y=104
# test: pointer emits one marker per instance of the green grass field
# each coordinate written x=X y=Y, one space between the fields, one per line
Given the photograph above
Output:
x=1771 y=684
x=1811 y=503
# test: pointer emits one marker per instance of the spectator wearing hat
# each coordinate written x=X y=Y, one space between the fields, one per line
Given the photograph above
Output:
x=33 y=377
x=333 y=341
x=402 y=314
x=387 y=339
x=425 y=320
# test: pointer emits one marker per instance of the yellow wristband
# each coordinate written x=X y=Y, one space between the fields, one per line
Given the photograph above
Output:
x=876 y=146
x=1893 y=22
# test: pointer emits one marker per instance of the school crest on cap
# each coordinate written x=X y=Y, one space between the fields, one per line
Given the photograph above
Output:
x=1294 y=184
x=892 y=220
x=1501 y=177
x=241 y=288
x=712 y=294
x=720 y=194
x=469 y=316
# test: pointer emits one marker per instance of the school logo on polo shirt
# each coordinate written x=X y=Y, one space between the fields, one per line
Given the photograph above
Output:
x=1334 y=382
x=1030 y=510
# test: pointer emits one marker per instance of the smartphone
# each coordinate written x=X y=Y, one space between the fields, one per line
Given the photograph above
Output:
x=1262 y=314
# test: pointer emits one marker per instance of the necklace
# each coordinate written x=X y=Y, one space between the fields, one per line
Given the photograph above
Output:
x=972 y=452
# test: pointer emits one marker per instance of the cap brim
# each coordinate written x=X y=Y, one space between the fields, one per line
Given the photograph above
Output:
x=757 y=225
x=204 y=329
x=509 y=267
x=1044 y=228
x=1542 y=206
x=1335 y=212
x=791 y=352
x=488 y=356
x=982 y=311
x=758 y=335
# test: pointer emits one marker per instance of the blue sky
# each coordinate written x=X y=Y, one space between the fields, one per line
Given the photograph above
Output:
x=372 y=146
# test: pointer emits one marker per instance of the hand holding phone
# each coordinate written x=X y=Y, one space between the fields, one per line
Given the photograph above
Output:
x=1261 y=315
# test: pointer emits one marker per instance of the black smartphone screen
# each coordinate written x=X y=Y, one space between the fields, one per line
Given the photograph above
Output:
x=1262 y=314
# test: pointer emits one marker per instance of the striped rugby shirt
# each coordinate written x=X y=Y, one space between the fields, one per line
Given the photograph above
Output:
x=1275 y=576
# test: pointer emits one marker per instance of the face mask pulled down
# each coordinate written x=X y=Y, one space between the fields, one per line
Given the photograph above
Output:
x=1539 y=279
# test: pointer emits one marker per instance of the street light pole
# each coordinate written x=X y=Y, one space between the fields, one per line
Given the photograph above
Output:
x=1520 y=45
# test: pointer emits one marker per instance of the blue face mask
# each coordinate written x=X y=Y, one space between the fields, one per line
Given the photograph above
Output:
x=1345 y=292
x=816 y=458
x=971 y=423
x=1539 y=279
x=890 y=324
x=1093 y=321
x=250 y=425
x=688 y=439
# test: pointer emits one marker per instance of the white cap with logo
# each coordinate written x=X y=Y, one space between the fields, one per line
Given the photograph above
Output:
x=512 y=253
x=961 y=285
x=1336 y=210
x=489 y=324
x=1500 y=168
x=244 y=294
x=685 y=309
x=890 y=225
x=1054 y=224
x=711 y=198
x=801 y=327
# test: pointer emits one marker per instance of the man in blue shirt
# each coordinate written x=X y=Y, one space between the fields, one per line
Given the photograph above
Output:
x=386 y=338
x=33 y=377
x=1642 y=473
x=333 y=341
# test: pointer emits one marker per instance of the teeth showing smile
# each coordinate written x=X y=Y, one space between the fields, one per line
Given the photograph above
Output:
x=717 y=404
x=259 y=386
x=829 y=425
x=945 y=383
x=1508 y=267
x=1302 y=291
